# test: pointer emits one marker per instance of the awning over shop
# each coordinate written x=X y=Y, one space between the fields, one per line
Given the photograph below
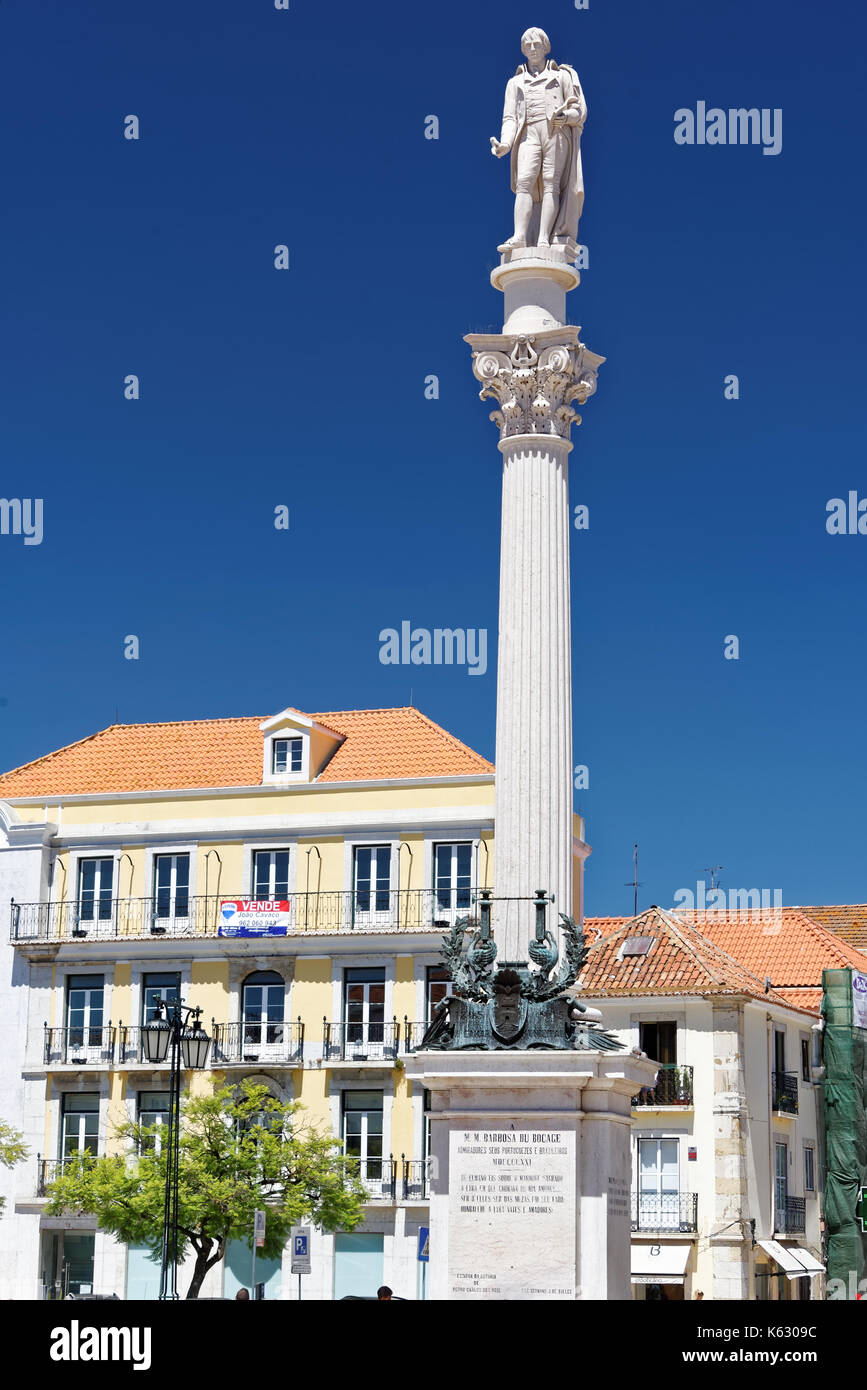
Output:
x=659 y=1264
x=792 y=1259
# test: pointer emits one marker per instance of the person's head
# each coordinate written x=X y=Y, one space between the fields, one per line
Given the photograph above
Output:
x=383 y=1293
x=699 y=1295
x=243 y=1296
x=535 y=46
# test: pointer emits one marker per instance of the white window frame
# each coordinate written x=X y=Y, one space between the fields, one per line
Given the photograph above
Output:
x=287 y=733
x=337 y=1089
x=277 y=849
x=372 y=918
x=810 y=1148
x=660 y=1194
x=73 y=886
x=264 y=1048
x=173 y=856
x=254 y=847
x=152 y=853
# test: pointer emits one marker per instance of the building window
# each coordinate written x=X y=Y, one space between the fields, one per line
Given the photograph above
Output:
x=80 y=1132
x=364 y=1005
x=271 y=875
x=84 y=1001
x=809 y=1169
x=286 y=754
x=262 y=1007
x=453 y=871
x=781 y=1185
x=439 y=984
x=658 y=1184
x=805 y=1059
x=372 y=879
x=659 y=1041
x=95 y=887
x=153 y=1111
x=172 y=885
x=156 y=987
x=362 y=1131
x=779 y=1050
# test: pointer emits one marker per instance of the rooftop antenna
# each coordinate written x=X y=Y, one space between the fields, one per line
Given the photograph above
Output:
x=633 y=882
x=713 y=870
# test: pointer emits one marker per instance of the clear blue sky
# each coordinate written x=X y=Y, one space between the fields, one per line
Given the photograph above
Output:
x=306 y=388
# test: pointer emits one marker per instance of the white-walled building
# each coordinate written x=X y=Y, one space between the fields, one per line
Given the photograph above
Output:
x=727 y=1150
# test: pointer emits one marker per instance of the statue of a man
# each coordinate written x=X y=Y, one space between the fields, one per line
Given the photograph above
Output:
x=543 y=117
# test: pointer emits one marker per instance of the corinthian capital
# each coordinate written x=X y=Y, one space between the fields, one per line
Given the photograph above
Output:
x=534 y=378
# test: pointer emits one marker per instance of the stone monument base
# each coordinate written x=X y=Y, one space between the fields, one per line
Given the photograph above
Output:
x=530 y=1172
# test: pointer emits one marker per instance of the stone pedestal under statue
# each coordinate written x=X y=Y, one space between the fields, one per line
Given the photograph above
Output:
x=530 y=1172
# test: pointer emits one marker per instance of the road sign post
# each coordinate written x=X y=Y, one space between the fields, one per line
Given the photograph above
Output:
x=258 y=1242
x=300 y=1253
x=423 y=1256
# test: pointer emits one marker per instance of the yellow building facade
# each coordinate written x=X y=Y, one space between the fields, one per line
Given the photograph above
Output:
x=290 y=876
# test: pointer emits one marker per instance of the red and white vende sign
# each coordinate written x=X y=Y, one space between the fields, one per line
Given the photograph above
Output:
x=247 y=917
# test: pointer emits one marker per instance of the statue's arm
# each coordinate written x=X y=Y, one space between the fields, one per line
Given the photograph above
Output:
x=574 y=106
x=510 y=114
x=509 y=127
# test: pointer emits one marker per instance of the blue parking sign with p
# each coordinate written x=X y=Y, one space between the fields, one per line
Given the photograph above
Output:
x=301 y=1246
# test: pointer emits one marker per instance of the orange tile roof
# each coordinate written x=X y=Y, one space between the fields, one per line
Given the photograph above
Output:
x=376 y=744
x=791 y=949
x=681 y=961
x=846 y=921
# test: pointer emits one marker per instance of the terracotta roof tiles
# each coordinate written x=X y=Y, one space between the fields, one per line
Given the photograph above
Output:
x=375 y=745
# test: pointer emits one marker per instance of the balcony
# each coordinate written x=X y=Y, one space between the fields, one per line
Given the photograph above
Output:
x=79 y=1047
x=360 y=1042
x=49 y=1169
x=665 y=1213
x=411 y=1035
x=130 y=1048
x=416 y=909
x=673 y=1087
x=790 y=1216
x=395 y=1180
x=273 y=1044
x=784 y=1092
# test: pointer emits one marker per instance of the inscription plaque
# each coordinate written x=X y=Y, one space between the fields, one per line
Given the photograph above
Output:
x=512 y=1213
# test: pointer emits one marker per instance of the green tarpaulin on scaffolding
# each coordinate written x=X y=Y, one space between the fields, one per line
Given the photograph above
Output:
x=845 y=1057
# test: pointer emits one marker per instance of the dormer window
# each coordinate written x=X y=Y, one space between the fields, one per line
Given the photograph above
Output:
x=287 y=755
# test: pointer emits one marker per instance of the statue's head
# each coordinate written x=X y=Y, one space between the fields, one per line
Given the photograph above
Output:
x=535 y=44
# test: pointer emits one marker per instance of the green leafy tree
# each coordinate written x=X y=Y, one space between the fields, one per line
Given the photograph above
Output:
x=240 y=1149
x=12 y=1149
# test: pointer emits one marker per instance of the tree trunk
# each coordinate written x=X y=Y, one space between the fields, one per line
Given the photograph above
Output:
x=203 y=1264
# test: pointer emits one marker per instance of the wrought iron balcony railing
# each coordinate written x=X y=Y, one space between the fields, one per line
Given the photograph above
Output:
x=79 y=1046
x=673 y=1087
x=665 y=1211
x=394 y=1180
x=360 y=1042
x=130 y=1047
x=411 y=1035
x=100 y=919
x=790 y=1217
x=49 y=1169
x=244 y=1042
x=784 y=1090
x=415 y=1176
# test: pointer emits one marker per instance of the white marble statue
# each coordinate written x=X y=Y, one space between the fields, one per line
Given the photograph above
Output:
x=543 y=117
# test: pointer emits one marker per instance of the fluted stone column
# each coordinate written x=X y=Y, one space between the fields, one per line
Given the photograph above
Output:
x=534 y=370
